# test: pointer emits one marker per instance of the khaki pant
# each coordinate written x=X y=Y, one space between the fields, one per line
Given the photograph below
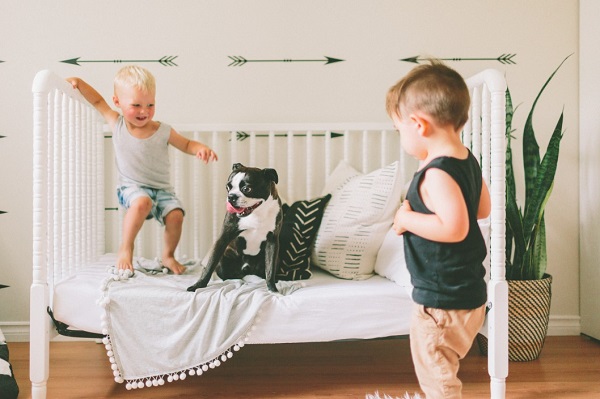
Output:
x=438 y=340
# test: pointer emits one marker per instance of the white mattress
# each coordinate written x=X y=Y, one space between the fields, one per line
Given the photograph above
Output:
x=326 y=308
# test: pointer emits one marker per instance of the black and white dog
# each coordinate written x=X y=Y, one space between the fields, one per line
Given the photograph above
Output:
x=249 y=242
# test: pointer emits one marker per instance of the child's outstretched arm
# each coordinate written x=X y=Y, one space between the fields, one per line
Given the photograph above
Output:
x=94 y=98
x=192 y=147
x=449 y=221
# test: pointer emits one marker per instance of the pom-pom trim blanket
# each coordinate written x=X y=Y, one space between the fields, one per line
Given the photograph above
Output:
x=156 y=331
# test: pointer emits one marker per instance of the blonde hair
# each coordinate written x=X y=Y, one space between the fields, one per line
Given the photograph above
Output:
x=435 y=89
x=136 y=77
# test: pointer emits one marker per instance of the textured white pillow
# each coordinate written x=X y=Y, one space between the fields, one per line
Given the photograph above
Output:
x=390 y=261
x=342 y=173
x=356 y=219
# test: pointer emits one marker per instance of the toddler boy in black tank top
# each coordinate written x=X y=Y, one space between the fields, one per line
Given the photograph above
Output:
x=444 y=247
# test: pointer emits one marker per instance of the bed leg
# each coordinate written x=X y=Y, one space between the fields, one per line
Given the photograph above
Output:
x=498 y=338
x=39 y=341
x=38 y=391
x=497 y=388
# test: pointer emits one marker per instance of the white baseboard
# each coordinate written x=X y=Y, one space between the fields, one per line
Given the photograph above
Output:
x=564 y=325
x=557 y=326
x=15 y=331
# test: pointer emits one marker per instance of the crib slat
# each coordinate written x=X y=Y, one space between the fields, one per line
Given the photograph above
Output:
x=291 y=163
x=310 y=164
x=65 y=188
x=486 y=131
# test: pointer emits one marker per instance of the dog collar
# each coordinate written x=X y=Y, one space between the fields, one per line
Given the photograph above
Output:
x=241 y=212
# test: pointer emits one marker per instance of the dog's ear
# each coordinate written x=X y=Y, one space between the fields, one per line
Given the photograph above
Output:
x=271 y=174
x=237 y=166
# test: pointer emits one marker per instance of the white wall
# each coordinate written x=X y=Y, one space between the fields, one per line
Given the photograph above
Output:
x=370 y=36
x=589 y=145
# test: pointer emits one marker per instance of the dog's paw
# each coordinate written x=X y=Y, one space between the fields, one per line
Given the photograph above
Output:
x=192 y=288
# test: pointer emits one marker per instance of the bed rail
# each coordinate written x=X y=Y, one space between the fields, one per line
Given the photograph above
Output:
x=303 y=155
x=76 y=217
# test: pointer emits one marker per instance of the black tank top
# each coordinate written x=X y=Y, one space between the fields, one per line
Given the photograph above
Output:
x=448 y=275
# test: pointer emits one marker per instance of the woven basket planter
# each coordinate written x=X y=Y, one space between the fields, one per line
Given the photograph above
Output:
x=528 y=316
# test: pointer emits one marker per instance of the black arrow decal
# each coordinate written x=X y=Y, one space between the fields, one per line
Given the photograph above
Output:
x=241 y=136
x=239 y=60
x=503 y=59
x=3 y=286
x=1 y=212
x=166 y=61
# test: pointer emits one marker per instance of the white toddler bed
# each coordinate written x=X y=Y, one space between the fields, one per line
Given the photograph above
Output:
x=360 y=294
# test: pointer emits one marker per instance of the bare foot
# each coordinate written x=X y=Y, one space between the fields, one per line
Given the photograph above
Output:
x=125 y=259
x=174 y=266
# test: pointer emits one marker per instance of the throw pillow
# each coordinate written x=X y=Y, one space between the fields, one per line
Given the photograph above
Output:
x=355 y=221
x=390 y=262
x=8 y=385
x=342 y=173
x=301 y=222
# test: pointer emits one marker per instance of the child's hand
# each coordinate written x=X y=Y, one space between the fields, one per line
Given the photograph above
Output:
x=398 y=225
x=73 y=81
x=206 y=154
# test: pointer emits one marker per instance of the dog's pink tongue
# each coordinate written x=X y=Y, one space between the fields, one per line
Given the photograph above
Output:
x=233 y=209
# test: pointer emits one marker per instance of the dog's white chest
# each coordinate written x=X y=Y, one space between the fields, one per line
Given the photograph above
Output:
x=257 y=225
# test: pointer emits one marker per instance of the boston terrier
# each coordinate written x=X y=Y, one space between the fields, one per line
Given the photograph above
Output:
x=249 y=241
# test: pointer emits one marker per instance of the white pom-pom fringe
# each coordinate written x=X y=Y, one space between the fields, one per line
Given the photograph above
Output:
x=406 y=396
x=171 y=377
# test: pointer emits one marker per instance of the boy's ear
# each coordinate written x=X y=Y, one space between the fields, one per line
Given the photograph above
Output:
x=116 y=101
x=422 y=124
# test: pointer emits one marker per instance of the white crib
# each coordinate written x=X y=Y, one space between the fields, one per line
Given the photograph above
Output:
x=76 y=220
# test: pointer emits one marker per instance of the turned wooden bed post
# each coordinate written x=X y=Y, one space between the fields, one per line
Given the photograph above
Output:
x=497 y=318
x=68 y=203
x=39 y=322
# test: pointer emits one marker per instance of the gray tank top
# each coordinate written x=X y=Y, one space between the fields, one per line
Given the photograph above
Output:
x=144 y=162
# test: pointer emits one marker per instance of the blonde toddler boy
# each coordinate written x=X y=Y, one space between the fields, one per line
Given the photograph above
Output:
x=141 y=153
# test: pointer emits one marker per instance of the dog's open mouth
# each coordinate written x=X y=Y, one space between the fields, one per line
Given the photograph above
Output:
x=242 y=211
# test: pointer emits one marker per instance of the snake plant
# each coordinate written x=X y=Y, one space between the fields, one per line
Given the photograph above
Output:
x=525 y=227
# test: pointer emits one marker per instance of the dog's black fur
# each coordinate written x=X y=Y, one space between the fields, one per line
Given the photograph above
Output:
x=249 y=241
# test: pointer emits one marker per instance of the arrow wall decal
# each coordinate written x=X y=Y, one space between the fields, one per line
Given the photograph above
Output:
x=239 y=60
x=503 y=59
x=241 y=136
x=166 y=61
x=1 y=212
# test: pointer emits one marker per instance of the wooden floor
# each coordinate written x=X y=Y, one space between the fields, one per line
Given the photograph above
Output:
x=569 y=367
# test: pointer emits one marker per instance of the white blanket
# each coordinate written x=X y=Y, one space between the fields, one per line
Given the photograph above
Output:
x=156 y=330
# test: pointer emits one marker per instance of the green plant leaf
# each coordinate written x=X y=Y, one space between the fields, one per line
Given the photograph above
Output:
x=539 y=253
x=531 y=149
x=510 y=176
x=526 y=256
x=514 y=224
x=544 y=181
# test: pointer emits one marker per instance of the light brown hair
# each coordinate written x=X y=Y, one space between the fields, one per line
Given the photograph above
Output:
x=435 y=89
